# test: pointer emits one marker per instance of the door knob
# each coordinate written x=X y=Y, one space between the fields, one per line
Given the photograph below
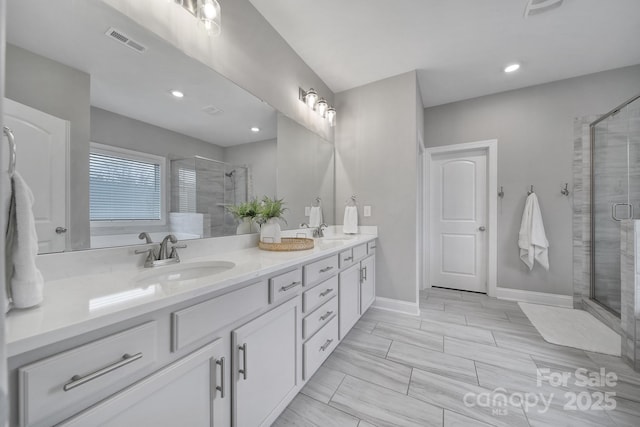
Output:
x=482 y=228
x=61 y=230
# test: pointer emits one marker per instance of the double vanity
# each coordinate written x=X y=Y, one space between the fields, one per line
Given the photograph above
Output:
x=226 y=338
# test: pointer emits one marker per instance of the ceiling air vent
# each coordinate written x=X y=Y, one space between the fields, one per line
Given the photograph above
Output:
x=535 y=7
x=121 y=37
x=211 y=110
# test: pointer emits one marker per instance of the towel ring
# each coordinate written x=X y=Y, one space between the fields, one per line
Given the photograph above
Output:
x=12 y=150
x=351 y=201
x=530 y=192
x=317 y=202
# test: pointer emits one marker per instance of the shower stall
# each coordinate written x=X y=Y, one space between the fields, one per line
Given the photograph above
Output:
x=205 y=187
x=615 y=196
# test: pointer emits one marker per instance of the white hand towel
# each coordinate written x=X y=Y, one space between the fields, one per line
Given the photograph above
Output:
x=315 y=216
x=350 y=223
x=532 y=239
x=27 y=282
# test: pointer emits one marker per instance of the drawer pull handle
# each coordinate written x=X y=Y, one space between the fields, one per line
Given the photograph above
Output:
x=373 y=247
x=243 y=371
x=78 y=380
x=324 y=270
x=220 y=387
x=349 y=258
x=326 y=315
x=326 y=345
x=327 y=292
x=292 y=285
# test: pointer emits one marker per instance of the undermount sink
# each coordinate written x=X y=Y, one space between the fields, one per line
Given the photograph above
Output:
x=337 y=238
x=183 y=272
x=332 y=242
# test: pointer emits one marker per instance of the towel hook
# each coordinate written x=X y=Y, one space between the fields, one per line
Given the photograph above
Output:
x=351 y=201
x=565 y=190
x=12 y=149
x=317 y=202
x=530 y=192
x=501 y=192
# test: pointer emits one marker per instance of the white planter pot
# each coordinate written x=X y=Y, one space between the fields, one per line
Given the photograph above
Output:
x=270 y=231
x=247 y=226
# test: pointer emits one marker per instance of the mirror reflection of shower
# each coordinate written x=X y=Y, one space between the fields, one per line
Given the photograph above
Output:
x=615 y=196
x=202 y=188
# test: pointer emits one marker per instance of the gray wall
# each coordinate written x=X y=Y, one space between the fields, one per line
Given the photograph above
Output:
x=63 y=92
x=534 y=128
x=305 y=171
x=261 y=157
x=376 y=160
x=249 y=51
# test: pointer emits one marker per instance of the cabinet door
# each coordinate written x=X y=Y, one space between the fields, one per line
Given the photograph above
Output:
x=184 y=393
x=349 y=298
x=367 y=283
x=266 y=365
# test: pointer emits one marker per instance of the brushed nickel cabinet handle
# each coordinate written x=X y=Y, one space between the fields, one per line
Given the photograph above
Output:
x=327 y=292
x=349 y=258
x=326 y=345
x=243 y=371
x=324 y=270
x=292 y=285
x=78 y=380
x=326 y=315
x=220 y=388
x=365 y=273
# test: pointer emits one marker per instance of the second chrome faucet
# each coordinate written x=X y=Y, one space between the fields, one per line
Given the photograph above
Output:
x=163 y=256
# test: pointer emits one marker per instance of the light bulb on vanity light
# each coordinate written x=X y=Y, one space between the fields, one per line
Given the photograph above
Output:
x=321 y=107
x=208 y=14
x=311 y=98
x=331 y=116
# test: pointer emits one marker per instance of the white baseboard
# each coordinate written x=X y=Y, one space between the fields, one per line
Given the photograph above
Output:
x=396 y=305
x=535 y=297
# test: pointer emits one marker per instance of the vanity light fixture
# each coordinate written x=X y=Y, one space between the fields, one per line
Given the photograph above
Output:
x=511 y=68
x=177 y=93
x=310 y=98
x=255 y=129
x=208 y=14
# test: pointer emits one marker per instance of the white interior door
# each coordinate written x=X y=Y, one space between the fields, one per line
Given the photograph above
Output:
x=41 y=147
x=458 y=200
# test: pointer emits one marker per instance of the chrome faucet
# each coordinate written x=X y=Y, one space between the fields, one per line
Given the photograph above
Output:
x=163 y=256
x=319 y=232
x=152 y=256
x=164 y=246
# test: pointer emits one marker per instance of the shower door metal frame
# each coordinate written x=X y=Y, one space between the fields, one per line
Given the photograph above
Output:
x=592 y=138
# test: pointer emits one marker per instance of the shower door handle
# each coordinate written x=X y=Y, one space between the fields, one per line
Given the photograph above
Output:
x=614 y=208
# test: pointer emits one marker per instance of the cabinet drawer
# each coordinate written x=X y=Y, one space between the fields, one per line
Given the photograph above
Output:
x=319 y=270
x=49 y=388
x=319 y=294
x=319 y=317
x=284 y=285
x=318 y=348
x=371 y=247
x=346 y=258
x=359 y=252
x=198 y=321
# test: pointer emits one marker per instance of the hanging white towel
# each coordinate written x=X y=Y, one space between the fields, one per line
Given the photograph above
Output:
x=26 y=282
x=350 y=223
x=532 y=240
x=315 y=216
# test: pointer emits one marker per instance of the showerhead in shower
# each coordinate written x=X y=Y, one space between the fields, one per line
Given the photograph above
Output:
x=230 y=174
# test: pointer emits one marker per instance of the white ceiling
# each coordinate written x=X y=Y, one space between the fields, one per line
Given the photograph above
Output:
x=137 y=85
x=458 y=47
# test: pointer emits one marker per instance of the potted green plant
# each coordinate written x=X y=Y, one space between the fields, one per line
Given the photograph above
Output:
x=246 y=213
x=269 y=214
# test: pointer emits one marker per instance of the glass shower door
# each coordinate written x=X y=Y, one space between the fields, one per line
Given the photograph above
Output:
x=615 y=197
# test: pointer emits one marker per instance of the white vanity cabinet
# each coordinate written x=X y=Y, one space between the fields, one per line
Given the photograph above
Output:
x=349 y=298
x=367 y=282
x=190 y=391
x=266 y=361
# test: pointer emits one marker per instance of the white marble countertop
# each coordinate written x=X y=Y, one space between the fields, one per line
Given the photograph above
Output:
x=82 y=303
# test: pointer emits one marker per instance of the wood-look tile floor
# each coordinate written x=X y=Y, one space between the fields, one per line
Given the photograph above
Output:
x=455 y=365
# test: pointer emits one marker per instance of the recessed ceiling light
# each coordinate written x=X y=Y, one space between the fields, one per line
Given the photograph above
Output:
x=511 y=68
x=255 y=129
x=177 y=93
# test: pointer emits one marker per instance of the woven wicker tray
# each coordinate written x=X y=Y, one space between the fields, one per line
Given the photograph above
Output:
x=288 y=244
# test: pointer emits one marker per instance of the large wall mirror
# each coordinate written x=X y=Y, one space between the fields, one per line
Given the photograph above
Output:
x=109 y=150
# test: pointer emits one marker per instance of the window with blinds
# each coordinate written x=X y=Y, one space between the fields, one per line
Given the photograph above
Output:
x=125 y=186
x=187 y=190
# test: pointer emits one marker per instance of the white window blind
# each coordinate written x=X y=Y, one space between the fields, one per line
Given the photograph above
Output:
x=124 y=189
x=187 y=190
